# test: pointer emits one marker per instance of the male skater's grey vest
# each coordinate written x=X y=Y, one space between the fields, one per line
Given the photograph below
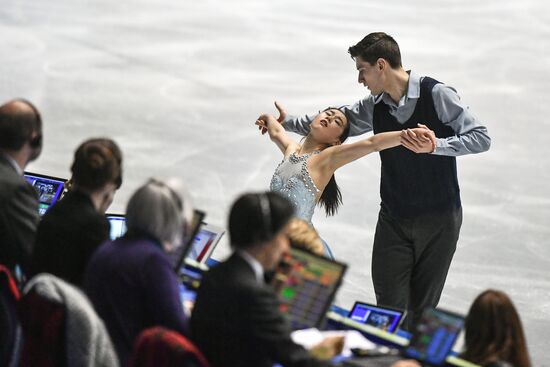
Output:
x=414 y=184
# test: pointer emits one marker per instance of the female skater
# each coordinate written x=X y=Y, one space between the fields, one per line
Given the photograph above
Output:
x=306 y=174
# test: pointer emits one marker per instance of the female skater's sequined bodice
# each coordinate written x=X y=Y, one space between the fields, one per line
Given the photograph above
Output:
x=292 y=179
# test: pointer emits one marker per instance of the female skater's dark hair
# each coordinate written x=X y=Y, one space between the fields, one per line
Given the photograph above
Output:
x=331 y=198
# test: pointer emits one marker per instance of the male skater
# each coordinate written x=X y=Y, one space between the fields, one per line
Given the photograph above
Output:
x=420 y=213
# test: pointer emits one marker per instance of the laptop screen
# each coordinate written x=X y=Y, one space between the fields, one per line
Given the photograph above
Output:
x=204 y=243
x=118 y=225
x=49 y=189
x=434 y=336
x=305 y=285
x=384 y=318
x=178 y=256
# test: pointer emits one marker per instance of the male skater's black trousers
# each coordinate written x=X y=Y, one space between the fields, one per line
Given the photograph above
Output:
x=411 y=259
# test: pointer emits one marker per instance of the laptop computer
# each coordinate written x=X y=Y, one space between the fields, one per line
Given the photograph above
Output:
x=202 y=240
x=118 y=225
x=432 y=340
x=385 y=318
x=49 y=189
x=306 y=284
x=194 y=264
x=179 y=255
x=205 y=242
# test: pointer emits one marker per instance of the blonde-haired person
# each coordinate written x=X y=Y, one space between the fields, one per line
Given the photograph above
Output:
x=303 y=235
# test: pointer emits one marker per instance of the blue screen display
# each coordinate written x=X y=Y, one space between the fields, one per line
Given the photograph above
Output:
x=434 y=336
x=378 y=317
x=48 y=189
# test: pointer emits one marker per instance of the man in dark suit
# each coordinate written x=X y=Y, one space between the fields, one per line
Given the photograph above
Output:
x=236 y=319
x=20 y=143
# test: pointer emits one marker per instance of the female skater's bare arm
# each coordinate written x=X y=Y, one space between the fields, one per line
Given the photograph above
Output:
x=340 y=155
x=277 y=133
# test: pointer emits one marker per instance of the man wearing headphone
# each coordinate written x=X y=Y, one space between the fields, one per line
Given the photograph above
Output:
x=20 y=143
x=236 y=319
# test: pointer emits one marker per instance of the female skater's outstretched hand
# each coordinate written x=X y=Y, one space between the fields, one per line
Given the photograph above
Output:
x=276 y=131
x=261 y=122
x=280 y=119
x=269 y=123
x=419 y=140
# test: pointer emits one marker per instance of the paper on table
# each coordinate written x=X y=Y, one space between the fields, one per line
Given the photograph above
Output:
x=307 y=338
x=353 y=339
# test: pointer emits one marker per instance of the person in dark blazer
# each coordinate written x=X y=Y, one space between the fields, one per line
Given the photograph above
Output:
x=74 y=227
x=20 y=143
x=236 y=319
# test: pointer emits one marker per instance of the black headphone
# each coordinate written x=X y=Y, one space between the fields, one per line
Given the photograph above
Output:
x=265 y=209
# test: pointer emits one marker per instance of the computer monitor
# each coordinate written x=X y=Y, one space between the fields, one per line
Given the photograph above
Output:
x=190 y=275
x=306 y=284
x=49 y=189
x=194 y=264
x=118 y=225
x=385 y=318
x=434 y=336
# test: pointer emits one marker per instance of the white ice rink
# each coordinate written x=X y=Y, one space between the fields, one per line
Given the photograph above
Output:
x=178 y=84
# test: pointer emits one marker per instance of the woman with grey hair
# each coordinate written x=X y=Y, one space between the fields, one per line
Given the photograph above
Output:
x=131 y=281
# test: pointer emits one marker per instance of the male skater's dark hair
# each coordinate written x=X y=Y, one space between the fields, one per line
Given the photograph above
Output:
x=377 y=45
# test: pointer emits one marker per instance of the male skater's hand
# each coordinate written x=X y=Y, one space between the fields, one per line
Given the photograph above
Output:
x=281 y=118
x=419 y=140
